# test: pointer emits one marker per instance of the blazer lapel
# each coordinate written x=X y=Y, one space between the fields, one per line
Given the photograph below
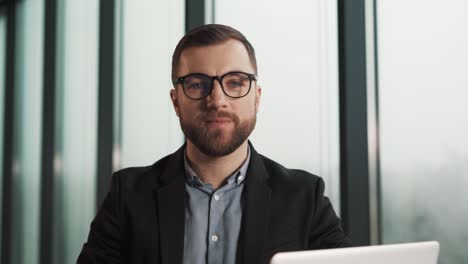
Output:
x=256 y=214
x=171 y=209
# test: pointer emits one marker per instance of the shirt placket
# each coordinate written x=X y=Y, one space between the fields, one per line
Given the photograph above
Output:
x=215 y=235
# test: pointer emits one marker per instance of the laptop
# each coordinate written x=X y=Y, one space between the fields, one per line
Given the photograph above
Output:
x=408 y=253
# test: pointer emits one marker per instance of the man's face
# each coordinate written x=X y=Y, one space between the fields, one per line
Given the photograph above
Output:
x=218 y=124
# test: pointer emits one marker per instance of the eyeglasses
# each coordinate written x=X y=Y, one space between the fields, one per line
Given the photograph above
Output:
x=198 y=86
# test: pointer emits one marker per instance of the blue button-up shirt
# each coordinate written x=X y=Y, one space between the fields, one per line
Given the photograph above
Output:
x=213 y=217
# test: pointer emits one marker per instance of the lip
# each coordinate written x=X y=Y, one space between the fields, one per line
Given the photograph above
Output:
x=219 y=120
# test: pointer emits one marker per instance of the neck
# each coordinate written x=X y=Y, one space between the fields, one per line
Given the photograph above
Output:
x=215 y=170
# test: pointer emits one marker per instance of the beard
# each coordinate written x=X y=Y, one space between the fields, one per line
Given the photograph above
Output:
x=217 y=142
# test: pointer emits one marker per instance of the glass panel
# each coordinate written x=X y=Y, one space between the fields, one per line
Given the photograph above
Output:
x=27 y=132
x=303 y=113
x=149 y=127
x=2 y=105
x=423 y=57
x=77 y=126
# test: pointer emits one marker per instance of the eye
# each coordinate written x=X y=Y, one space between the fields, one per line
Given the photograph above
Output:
x=235 y=83
x=195 y=86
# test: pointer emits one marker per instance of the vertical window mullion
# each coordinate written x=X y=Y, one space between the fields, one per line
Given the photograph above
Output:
x=8 y=134
x=106 y=98
x=353 y=121
x=48 y=132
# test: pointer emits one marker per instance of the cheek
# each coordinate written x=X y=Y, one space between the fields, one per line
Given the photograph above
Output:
x=246 y=110
x=189 y=108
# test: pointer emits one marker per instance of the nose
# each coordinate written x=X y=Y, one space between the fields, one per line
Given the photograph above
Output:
x=217 y=98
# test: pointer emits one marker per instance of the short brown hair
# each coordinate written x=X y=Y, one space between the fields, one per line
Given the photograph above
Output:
x=209 y=35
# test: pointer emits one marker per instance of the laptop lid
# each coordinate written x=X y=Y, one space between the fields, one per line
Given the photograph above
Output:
x=408 y=253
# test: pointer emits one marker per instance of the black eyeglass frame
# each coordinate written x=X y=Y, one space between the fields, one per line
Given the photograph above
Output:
x=180 y=80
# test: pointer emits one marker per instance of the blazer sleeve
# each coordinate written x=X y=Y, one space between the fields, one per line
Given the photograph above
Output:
x=105 y=236
x=326 y=231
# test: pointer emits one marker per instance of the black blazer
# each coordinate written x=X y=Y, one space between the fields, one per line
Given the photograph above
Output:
x=142 y=218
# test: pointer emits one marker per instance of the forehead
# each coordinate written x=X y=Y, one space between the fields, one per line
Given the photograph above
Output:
x=217 y=59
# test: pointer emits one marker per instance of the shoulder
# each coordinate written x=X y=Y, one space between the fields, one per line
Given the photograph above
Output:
x=140 y=178
x=282 y=177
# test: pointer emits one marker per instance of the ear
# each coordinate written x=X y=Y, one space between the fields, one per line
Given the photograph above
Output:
x=258 y=95
x=175 y=101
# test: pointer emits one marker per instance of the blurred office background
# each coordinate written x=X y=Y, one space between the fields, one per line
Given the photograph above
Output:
x=369 y=94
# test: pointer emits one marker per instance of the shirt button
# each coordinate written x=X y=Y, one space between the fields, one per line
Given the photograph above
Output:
x=214 y=238
x=241 y=177
x=216 y=197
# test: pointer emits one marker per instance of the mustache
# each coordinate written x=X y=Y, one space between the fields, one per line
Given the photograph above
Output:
x=210 y=115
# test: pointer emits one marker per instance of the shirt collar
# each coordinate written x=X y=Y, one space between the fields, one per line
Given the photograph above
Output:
x=237 y=177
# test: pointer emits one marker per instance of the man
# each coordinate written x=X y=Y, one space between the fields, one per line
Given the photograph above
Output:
x=215 y=200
